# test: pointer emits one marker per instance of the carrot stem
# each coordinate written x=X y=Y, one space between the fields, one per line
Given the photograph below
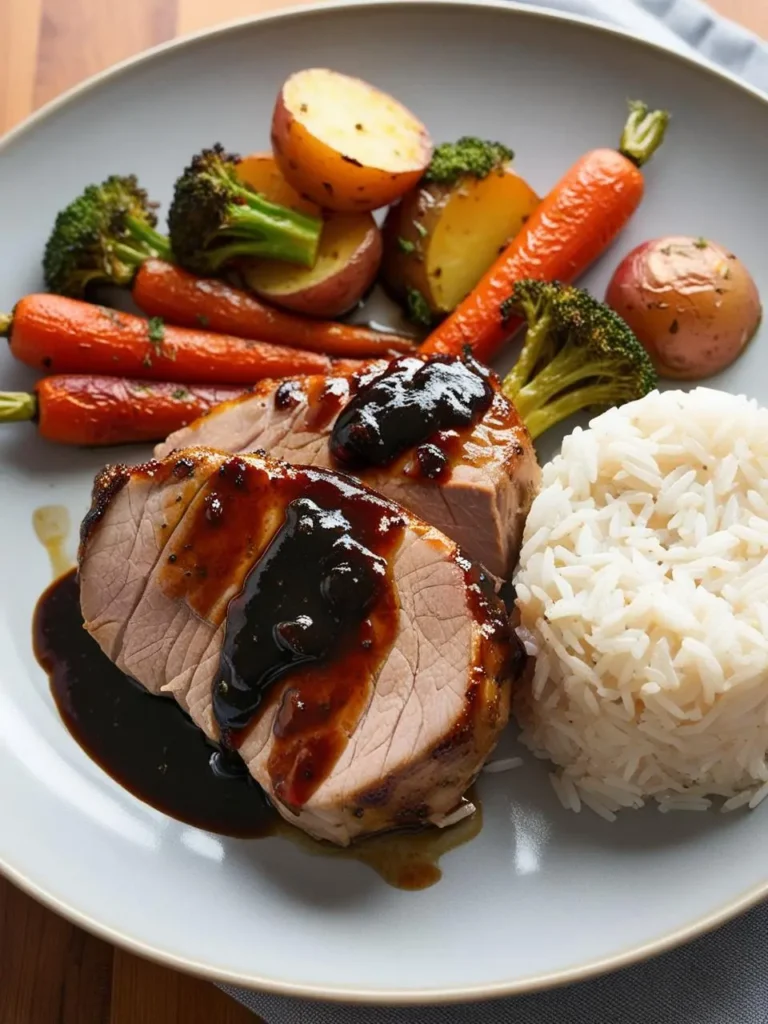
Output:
x=6 y=319
x=643 y=133
x=17 y=407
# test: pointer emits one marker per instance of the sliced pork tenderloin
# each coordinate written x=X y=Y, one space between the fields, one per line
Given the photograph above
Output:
x=482 y=500
x=385 y=730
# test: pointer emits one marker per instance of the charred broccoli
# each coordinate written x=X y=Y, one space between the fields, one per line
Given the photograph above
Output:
x=467 y=157
x=577 y=354
x=102 y=237
x=215 y=218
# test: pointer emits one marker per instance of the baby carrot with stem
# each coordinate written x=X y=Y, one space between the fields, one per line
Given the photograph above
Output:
x=570 y=228
x=91 y=410
x=62 y=335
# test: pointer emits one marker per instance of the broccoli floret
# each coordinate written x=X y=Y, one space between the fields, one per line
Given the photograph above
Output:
x=102 y=237
x=468 y=156
x=577 y=354
x=215 y=218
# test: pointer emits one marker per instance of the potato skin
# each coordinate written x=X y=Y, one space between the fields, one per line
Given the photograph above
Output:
x=347 y=265
x=441 y=238
x=335 y=179
x=691 y=302
x=407 y=226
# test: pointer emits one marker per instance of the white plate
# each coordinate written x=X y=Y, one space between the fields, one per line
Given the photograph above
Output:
x=542 y=896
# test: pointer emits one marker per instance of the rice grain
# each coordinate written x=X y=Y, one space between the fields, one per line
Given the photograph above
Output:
x=643 y=585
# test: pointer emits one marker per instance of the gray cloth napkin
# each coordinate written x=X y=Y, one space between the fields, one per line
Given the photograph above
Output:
x=721 y=978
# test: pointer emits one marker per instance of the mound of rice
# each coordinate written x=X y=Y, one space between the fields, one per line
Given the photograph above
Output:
x=643 y=584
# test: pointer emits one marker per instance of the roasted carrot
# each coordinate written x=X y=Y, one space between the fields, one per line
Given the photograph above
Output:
x=568 y=230
x=161 y=289
x=64 y=335
x=85 y=410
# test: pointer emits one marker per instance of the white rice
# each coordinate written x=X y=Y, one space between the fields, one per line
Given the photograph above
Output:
x=643 y=586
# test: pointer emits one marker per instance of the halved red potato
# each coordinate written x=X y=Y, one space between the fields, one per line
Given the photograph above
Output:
x=347 y=263
x=440 y=239
x=692 y=303
x=345 y=144
x=260 y=171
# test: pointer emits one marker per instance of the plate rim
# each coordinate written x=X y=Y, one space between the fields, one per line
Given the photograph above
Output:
x=353 y=994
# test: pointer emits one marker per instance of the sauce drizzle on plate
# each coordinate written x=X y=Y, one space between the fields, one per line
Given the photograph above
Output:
x=150 y=747
x=52 y=525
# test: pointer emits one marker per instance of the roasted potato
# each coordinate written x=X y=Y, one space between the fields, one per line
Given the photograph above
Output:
x=440 y=239
x=347 y=264
x=260 y=171
x=344 y=144
x=347 y=261
x=691 y=302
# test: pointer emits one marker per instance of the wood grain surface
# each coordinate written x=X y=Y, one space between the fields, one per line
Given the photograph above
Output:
x=50 y=971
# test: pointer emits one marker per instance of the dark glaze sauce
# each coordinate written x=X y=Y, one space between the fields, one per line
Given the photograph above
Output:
x=295 y=563
x=405 y=859
x=149 y=746
x=329 y=402
x=284 y=618
x=324 y=396
x=145 y=743
x=319 y=605
x=415 y=403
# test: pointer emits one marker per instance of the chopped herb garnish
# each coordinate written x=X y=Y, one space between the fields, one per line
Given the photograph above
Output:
x=405 y=246
x=420 y=228
x=157 y=337
x=202 y=319
x=417 y=308
x=156 y=330
x=701 y=243
x=180 y=394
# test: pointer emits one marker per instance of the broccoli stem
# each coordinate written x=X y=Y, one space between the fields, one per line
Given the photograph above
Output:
x=123 y=277
x=569 y=367
x=149 y=243
x=6 y=319
x=643 y=133
x=269 y=231
x=519 y=375
x=144 y=233
x=17 y=407
x=593 y=395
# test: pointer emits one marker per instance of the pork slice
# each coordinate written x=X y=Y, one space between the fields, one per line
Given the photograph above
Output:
x=482 y=505
x=430 y=713
x=140 y=520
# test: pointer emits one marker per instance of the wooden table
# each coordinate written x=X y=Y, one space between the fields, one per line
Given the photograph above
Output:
x=50 y=971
